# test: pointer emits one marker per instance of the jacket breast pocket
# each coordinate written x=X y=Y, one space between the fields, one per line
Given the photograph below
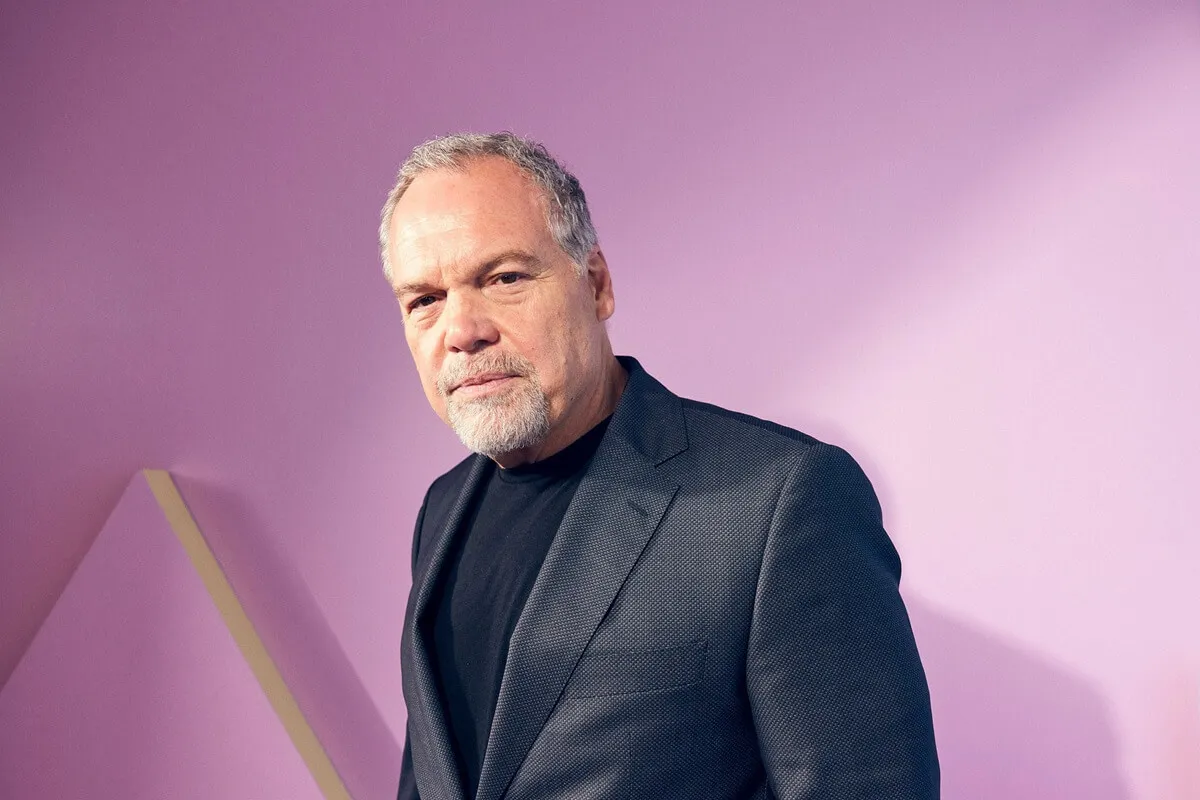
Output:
x=617 y=672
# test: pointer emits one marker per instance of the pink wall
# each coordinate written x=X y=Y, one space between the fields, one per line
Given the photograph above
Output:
x=134 y=687
x=958 y=241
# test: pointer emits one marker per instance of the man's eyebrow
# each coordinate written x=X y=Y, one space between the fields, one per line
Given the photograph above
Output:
x=412 y=288
x=520 y=256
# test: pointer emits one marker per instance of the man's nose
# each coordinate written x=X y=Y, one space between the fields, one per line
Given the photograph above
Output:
x=468 y=324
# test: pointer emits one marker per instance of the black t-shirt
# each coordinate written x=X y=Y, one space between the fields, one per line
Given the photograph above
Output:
x=491 y=571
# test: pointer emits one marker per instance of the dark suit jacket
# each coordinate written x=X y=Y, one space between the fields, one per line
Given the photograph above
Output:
x=717 y=617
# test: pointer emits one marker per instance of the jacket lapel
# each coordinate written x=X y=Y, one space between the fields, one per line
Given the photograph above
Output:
x=615 y=510
x=431 y=749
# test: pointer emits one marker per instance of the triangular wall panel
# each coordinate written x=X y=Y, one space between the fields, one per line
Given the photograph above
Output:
x=135 y=688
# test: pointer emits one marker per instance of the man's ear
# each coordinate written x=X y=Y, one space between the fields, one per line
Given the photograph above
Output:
x=600 y=284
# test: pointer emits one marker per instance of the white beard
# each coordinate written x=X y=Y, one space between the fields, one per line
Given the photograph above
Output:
x=515 y=418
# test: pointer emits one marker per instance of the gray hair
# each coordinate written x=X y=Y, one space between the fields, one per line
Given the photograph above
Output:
x=567 y=213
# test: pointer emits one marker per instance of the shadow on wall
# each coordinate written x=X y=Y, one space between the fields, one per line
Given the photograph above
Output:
x=1010 y=724
x=299 y=639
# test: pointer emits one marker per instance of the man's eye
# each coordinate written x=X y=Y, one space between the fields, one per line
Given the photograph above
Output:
x=420 y=302
x=509 y=278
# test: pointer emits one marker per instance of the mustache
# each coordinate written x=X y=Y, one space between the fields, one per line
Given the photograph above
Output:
x=457 y=372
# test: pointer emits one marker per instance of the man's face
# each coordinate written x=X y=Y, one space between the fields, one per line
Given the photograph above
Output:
x=486 y=291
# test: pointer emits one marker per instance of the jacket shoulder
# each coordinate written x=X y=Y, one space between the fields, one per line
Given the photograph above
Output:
x=739 y=430
x=725 y=441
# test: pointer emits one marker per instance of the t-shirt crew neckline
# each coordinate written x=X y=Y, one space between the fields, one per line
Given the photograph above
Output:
x=563 y=464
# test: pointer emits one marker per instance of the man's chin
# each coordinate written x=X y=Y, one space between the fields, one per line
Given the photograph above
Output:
x=495 y=434
x=488 y=425
x=493 y=447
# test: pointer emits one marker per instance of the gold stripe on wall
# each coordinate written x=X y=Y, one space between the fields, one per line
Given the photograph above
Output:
x=247 y=638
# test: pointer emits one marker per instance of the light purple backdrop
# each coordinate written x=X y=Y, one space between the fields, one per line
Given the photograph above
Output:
x=134 y=687
x=959 y=241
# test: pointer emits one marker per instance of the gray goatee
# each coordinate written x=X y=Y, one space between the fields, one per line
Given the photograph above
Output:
x=513 y=418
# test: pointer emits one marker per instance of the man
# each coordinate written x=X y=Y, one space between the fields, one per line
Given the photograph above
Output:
x=622 y=593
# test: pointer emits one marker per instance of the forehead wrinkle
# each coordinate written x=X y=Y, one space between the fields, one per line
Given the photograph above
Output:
x=462 y=252
x=432 y=245
x=472 y=269
x=442 y=232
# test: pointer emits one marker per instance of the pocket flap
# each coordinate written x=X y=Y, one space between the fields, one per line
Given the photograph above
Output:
x=614 y=672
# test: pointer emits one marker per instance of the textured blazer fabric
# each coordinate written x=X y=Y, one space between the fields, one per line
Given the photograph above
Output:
x=717 y=617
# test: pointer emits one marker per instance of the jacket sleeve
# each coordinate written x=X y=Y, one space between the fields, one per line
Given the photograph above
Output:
x=408 y=781
x=837 y=692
